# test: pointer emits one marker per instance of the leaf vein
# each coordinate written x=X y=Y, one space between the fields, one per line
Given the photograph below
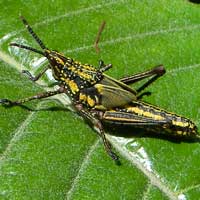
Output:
x=83 y=166
x=48 y=20
x=18 y=133
x=152 y=176
x=137 y=36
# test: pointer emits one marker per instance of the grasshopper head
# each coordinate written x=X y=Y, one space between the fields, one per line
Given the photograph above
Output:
x=55 y=58
x=57 y=62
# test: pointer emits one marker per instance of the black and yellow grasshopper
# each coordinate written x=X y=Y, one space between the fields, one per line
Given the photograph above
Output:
x=101 y=99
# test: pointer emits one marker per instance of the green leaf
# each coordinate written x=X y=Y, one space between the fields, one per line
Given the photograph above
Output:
x=48 y=152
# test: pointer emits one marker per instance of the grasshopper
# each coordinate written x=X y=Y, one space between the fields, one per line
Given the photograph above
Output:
x=100 y=99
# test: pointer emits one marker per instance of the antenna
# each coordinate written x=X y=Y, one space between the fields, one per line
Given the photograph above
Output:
x=27 y=47
x=30 y=30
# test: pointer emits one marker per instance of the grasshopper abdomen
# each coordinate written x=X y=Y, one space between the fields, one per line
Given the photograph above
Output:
x=148 y=117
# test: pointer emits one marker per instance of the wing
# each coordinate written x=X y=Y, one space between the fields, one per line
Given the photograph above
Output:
x=110 y=96
x=109 y=81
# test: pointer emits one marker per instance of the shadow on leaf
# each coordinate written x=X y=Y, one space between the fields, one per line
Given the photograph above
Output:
x=195 y=1
x=132 y=132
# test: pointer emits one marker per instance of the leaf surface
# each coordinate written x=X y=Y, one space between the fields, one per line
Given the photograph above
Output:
x=48 y=152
